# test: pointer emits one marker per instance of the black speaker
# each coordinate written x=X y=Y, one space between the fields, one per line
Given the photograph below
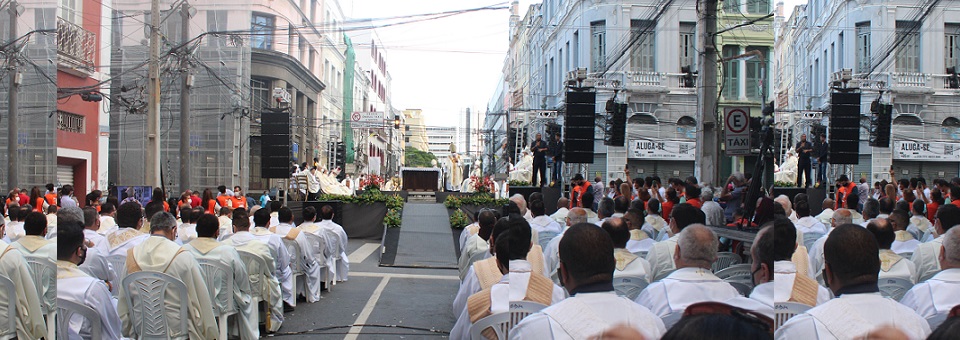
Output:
x=844 y=128
x=579 y=124
x=615 y=126
x=275 y=143
x=880 y=120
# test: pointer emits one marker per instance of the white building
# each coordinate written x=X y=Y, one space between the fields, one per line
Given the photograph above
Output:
x=439 y=140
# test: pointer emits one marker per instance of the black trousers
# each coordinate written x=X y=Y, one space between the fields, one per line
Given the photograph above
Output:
x=803 y=170
x=539 y=166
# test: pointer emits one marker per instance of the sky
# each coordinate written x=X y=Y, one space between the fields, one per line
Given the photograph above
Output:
x=441 y=66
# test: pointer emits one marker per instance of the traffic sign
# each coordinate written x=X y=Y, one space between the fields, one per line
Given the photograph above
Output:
x=737 y=131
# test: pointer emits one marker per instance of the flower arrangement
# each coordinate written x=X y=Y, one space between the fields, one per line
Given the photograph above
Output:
x=516 y=183
x=371 y=182
x=458 y=220
x=482 y=185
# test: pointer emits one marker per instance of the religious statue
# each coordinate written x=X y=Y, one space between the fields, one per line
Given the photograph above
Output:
x=456 y=171
x=787 y=171
x=522 y=170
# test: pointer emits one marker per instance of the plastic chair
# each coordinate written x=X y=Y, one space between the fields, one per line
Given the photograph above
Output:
x=336 y=250
x=320 y=247
x=671 y=319
x=219 y=279
x=736 y=273
x=8 y=309
x=67 y=309
x=521 y=309
x=783 y=311
x=742 y=287
x=119 y=264
x=662 y=275
x=894 y=287
x=258 y=271
x=43 y=271
x=296 y=264
x=545 y=237
x=501 y=323
x=629 y=286
x=146 y=296
x=724 y=260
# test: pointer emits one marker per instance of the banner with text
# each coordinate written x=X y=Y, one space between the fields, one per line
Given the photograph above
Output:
x=926 y=151
x=656 y=149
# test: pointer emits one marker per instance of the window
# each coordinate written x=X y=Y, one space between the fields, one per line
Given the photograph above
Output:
x=731 y=73
x=643 y=57
x=216 y=21
x=952 y=45
x=262 y=27
x=863 y=47
x=598 y=45
x=908 y=53
x=688 y=44
x=71 y=11
x=70 y=122
x=731 y=6
x=758 y=6
x=756 y=75
x=840 y=55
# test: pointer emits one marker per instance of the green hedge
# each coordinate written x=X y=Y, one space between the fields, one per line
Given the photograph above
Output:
x=394 y=203
x=454 y=202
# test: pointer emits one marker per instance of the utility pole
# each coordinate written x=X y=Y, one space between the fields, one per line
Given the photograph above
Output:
x=12 y=128
x=185 y=99
x=707 y=135
x=152 y=170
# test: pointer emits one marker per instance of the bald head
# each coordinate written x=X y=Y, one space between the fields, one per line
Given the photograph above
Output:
x=784 y=201
x=696 y=247
x=828 y=203
x=951 y=249
x=840 y=217
x=882 y=230
x=619 y=233
x=563 y=202
x=576 y=216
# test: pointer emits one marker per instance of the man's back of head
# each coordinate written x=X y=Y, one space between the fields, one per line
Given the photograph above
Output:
x=850 y=254
x=309 y=214
x=207 y=226
x=326 y=212
x=52 y=209
x=90 y=218
x=697 y=247
x=486 y=220
x=684 y=214
x=618 y=231
x=653 y=206
x=785 y=239
x=152 y=208
x=840 y=217
x=764 y=250
x=802 y=208
x=275 y=206
x=241 y=220
x=899 y=219
x=69 y=239
x=563 y=202
x=576 y=216
x=633 y=218
x=605 y=209
x=586 y=253
x=261 y=218
x=163 y=223
x=520 y=234
x=886 y=205
x=882 y=231
x=107 y=209
x=129 y=215
x=35 y=224
x=537 y=208
x=621 y=204
x=828 y=203
x=285 y=215
x=948 y=216
x=186 y=216
x=951 y=249
x=871 y=209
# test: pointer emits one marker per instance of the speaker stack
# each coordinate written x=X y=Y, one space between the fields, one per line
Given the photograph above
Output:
x=844 y=128
x=275 y=143
x=579 y=125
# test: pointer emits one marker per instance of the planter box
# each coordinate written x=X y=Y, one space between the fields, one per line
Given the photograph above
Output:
x=471 y=209
x=442 y=196
x=403 y=194
x=358 y=221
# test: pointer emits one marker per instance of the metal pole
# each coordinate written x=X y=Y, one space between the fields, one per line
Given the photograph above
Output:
x=707 y=137
x=12 y=128
x=185 y=101
x=152 y=170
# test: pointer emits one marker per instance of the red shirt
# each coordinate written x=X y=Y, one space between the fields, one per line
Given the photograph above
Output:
x=695 y=202
x=956 y=203
x=667 y=208
x=845 y=191
x=932 y=210
x=194 y=201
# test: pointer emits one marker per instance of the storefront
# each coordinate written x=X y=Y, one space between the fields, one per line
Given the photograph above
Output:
x=926 y=159
x=663 y=158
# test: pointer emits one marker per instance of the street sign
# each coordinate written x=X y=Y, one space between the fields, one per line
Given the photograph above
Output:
x=736 y=131
x=367 y=117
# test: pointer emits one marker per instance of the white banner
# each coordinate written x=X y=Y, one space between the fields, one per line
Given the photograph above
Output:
x=926 y=151
x=668 y=150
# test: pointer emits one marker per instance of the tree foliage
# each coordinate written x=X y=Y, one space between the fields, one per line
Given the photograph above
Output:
x=415 y=158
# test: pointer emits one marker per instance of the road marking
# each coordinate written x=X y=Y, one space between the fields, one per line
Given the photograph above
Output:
x=363 y=252
x=367 y=310
x=406 y=276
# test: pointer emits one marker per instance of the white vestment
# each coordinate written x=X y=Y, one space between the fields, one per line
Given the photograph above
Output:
x=282 y=256
x=30 y=323
x=36 y=246
x=920 y=226
x=851 y=316
x=639 y=241
x=926 y=257
x=107 y=225
x=544 y=223
x=247 y=242
x=468 y=231
x=682 y=288
x=653 y=224
x=904 y=243
x=123 y=239
x=935 y=296
x=894 y=266
x=825 y=217
x=308 y=261
x=561 y=216
x=714 y=214
x=808 y=225
x=158 y=254
x=76 y=286
x=187 y=232
x=335 y=232
x=209 y=249
x=784 y=274
x=588 y=314
x=661 y=256
x=637 y=267
x=14 y=231
x=472 y=251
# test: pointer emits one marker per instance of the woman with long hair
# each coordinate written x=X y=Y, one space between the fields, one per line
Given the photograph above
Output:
x=36 y=198
x=208 y=202
x=93 y=199
x=160 y=196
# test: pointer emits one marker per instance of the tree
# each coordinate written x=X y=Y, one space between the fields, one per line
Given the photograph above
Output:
x=418 y=159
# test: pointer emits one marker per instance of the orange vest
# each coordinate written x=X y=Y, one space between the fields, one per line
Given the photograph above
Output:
x=239 y=202
x=39 y=205
x=51 y=198
x=211 y=207
x=222 y=200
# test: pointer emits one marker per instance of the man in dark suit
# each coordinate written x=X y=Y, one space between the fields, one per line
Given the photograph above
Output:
x=539 y=149
x=823 y=149
x=804 y=151
x=557 y=147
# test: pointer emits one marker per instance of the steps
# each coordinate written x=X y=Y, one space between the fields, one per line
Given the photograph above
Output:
x=422 y=197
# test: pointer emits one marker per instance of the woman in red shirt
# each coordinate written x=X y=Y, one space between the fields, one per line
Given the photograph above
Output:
x=667 y=206
x=208 y=202
x=36 y=199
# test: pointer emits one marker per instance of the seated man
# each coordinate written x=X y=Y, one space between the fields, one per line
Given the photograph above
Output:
x=108 y=218
x=840 y=217
x=927 y=255
x=891 y=264
x=827 y=214
x=551 y=254
x=628 y=264
x=904 y=242
x=308 y=260
x=187 y=231
x=940 y=293
x=476 y=247
x=77 y=286
x=159 y=253
x=95 y=262
x=484 y=273
x=13 y=266
x=128 y=235
x=541 y=223
x=639 y=240
x=14 y=229
x=279 y=251
x=206 y=247
x=242 y=239
x=661 y=256
x=653 y=224
x=469 y=230
x=517 y=281
x=586 y=271
x=805 y=223
x=790 y=286
x=335 y=235
x=563 y=208
x=692 y=282
x=34 y=244
x=851 y=269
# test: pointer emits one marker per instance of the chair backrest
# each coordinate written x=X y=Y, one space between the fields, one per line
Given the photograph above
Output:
x=44 y=273
x=894 y=287
x=936 y=320
x=320 y=245
x=119 y=264
x=783 y=311
x=662 y=274
x=67 y=309
x=736 y=273
x=545 y=237
x=629 y=286
x=258 y=271
x=725 y=260
x=742 y=287
x=146 y=295
x=671 y=319
x=810 y=238
x=501 y=323
x=521 y=309
x=296 y=254
x=906 y=255
x=8 y=309
x=219 y=279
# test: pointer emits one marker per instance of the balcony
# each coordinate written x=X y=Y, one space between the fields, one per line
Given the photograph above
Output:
x=75 y=46
x=646 y=82
x=920 y=83
x=70 y=122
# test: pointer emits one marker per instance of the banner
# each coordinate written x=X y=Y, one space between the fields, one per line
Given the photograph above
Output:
x=654 y=149
x=926 y=151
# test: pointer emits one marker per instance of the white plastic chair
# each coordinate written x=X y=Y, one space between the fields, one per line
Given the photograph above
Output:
x=783 y=311
x=219 y=279
x=146 y=296
x=258 y=272
x=8 y=309
x=736 y=273
x=671 y=319
x=725 y=260
x=629 y=286
x=894 y=287
x=641 y=254
x=67 y=309
x=501 y=323
x=119 y=264
x=296 y=264
x=321 y=246
x=662 y=274
x=544 y=238
x=44 y=273
x=810 y=238
x=336 y=250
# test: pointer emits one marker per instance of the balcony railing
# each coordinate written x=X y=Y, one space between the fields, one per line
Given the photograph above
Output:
x=70 y=122
x=75 y=45
x=905 y=81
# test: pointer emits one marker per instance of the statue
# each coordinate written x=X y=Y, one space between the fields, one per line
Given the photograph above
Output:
x=330 y=185
x=456 y=171
x=787 y=172
x=523 y=169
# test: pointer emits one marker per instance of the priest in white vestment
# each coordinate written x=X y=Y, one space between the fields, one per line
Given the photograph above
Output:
x=206 y=247
x=541 y=224
x=826 y=215
x=563 y=208
x=851 y=272
x=628 y=264
x=805 y=223
x=75 y=285
x=328 y=244
x=891 y=264
x=280 y=254
x=35 y=245
x=476 y=247
x=692 y=282
x=920 y=227
x=187 y=231
x=936 y=296
x=551 y=253
x=640 y=241
x=308 y=254
x=14 y=228
x=790 y=286
x=108 y=218
x=816 y=263
x=95 y=263
x=653 y=224
x=159 y=253
x=242 y=239
x=927 y=255
x=339 y=264
x=128 y=235
x=661 y=255
x=25 y=300
x=903 y=242
x=587 y=264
